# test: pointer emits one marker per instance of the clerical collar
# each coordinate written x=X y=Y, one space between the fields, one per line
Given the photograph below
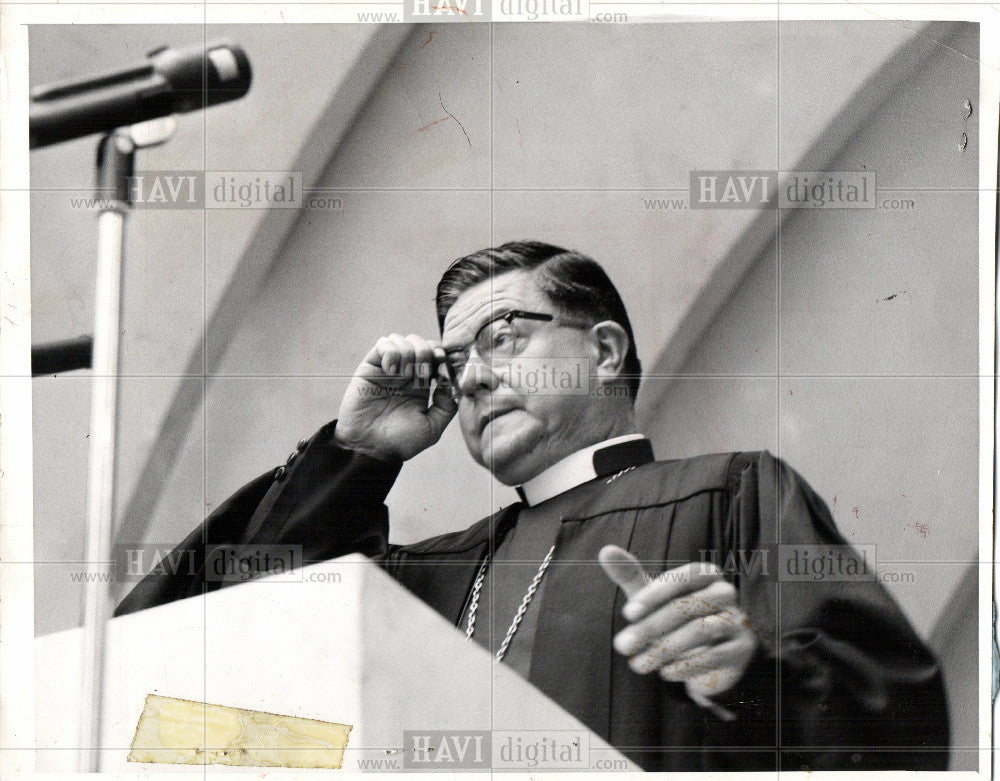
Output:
x=600 y=460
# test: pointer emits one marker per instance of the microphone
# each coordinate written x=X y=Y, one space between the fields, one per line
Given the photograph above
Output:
x=170 y=81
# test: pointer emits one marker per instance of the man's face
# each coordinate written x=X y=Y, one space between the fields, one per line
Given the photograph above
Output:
x=513 y=429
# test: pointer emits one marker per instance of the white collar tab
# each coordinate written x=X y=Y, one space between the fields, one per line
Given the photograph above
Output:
x=599 y=460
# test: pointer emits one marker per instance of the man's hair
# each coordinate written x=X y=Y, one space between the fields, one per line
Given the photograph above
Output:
x=574 y=282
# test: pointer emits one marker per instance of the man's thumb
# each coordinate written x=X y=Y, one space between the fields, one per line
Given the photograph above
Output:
x=443 y=407
x=623 y=568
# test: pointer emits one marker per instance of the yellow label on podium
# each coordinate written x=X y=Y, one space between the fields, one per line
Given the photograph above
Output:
x=174 y=731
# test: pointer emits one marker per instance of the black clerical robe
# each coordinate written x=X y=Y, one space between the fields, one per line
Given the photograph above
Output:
x=515 y=562
x=839 y=679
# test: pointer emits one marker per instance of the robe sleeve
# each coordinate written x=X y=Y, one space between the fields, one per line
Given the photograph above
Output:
x=858 y=688
x=329 y=500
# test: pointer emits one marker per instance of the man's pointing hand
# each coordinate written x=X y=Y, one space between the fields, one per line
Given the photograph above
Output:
x=390 y=410
x=684 y=625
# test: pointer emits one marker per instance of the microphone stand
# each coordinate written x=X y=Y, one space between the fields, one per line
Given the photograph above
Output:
x=115 y=168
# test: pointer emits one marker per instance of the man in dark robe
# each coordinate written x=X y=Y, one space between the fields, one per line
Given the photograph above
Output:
x=674 y=607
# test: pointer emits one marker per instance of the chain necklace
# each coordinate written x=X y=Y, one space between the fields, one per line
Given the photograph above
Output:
x=522 y=608
x=477 y=587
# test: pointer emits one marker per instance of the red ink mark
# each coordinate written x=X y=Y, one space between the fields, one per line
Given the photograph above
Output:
x=834 y=501
x=432 y=34
x=790 y=392
x=922 y=528
x=855 y=511
x=448 y=8
x=432 y=124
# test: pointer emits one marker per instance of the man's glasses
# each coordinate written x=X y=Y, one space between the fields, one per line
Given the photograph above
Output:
x=499 y=340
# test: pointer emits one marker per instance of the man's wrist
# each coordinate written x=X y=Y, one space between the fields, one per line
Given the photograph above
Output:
x=387 y=458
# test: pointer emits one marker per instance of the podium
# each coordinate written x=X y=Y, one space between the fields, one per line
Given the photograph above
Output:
x=339 y=642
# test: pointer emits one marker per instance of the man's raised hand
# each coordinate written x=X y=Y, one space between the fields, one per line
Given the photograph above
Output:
x=684 y=625
x=399 y=400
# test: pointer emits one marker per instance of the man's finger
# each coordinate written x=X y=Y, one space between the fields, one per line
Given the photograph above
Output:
x=443 y=407
x=423 y=358
x=695 y=662
x=670 y=617
x=404 y=367
x=727 y=659
x=623 y=568
x=705 y=631
x=392 y=350
x=669 y=585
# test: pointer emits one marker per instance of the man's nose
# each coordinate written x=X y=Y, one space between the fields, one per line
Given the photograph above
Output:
x=477 y=375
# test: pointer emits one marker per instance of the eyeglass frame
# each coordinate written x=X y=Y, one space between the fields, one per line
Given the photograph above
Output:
x=510 y=315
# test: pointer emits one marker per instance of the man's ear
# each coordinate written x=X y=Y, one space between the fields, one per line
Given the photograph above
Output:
x=612 y=347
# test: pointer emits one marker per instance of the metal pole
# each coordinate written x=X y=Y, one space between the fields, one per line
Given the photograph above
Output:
x=115 y=167
x=115 y=162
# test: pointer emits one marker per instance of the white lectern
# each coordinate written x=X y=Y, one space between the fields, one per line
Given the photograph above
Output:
x=338 y=641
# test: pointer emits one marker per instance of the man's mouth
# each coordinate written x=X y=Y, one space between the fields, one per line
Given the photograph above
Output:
x=492 y=414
